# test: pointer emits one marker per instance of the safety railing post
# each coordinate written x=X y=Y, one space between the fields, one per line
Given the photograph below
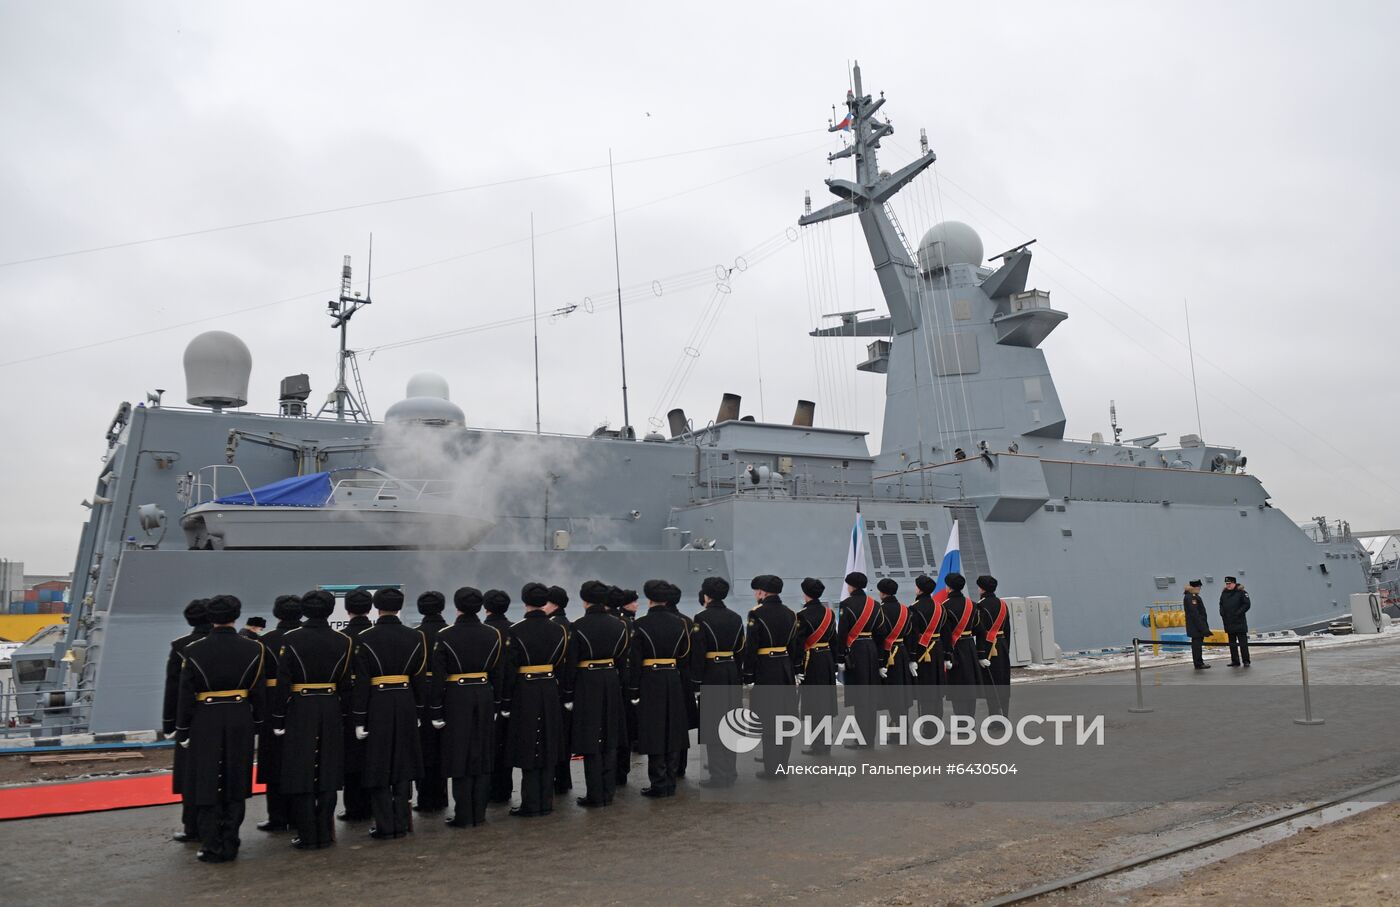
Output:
x=1307 y=718
x=1137 y=677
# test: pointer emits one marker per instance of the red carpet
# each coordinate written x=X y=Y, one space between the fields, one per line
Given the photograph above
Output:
x=88 y=796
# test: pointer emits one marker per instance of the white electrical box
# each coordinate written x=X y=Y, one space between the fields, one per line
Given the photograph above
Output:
x=1019 y=627
x=1040 y=620
x=1366 y=615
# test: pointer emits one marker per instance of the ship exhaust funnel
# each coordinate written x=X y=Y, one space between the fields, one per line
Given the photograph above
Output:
x=678 y=424
x=806 y=411
x=729 y=408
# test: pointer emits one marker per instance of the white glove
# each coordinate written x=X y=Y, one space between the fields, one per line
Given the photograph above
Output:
x=913 y=669
x=568 y=706
x=184 y=744
x=884 y=672
x=635 y=701
x=984 y=662
x=361 y=733
x=506 y=714
x=169 y=736
x=278 y=731
x=439 y=724
x=799 y=677
x=947 y=666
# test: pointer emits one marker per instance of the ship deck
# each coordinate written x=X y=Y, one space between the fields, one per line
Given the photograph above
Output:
x=668 y=851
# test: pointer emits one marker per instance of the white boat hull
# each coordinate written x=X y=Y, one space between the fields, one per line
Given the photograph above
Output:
x=238 y=527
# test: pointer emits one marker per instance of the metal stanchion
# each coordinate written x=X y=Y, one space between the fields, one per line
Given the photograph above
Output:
x=1137 y=676
x=1307 y=693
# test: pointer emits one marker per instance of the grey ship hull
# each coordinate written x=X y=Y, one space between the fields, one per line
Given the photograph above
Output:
x=1101 y=576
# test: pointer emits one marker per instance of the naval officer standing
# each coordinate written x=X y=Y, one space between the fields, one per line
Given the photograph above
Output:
x=468 y=669
x=536 y=684
x=390 y=663
x=660 y=642
x=313 y=672
x=716 y=647
x=219 y=712
x=769 y=658
x=816 y=675
x=598 y=647
x=287 y=610
x=199 y=628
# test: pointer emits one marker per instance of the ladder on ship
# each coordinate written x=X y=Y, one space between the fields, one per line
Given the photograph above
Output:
x=971 y=546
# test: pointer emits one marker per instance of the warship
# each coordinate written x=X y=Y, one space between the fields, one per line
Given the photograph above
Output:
x=215 y=498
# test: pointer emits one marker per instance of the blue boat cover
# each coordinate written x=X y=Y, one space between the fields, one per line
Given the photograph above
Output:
x=299 y=491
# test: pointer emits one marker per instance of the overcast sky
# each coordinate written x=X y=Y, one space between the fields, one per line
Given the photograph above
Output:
x=1238 y=156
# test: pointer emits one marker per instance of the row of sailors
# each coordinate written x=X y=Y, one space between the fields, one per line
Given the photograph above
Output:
x=382 y=706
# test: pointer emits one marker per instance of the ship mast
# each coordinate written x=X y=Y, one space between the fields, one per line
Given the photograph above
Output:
x=342 y=401
x=867 y=195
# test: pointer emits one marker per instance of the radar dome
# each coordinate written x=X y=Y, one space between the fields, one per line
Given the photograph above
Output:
x=426 y=403
x=427 y=384
x=949 y=243
x=217 y=366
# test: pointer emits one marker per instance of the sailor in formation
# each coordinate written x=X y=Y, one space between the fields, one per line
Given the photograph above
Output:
x=556 y=602
x=287 y=610
x=960 y=666
x=218 y=712
x=598 y=644
x=432 y=787
x=769 y=661
x=816 y=672
x=390 y=666
x=859 y=656
x=622 y=604
x=358 y=604
x=536 y=686
x=468 y=671
x=313 y=673
x=993 y=646
x=660 y=646
x=502 y=784
x=381 y=707
x=716 y=647
x=198 y=620
x=925 y=643
x=891 y=624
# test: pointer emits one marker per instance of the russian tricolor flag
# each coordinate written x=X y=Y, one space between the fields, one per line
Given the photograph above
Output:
x=952 y=563
x=855 y=550
x=842 y=126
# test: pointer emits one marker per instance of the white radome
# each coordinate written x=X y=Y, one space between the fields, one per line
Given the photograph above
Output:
x=428 y=384
x=949 y=243
x=217 y=366
x=426 y=403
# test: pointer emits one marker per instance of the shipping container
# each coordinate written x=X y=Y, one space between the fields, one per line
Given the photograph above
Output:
x=31 y=607
x=31 y=595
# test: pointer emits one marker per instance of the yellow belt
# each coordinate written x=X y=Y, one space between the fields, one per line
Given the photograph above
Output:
x=658 y=662
x=300 y=687
x=818 y=645
x=773 y=650
x=272 y=681
x=389 y=678
x=719 y=654
x=596 y=663
x=475 y=675
x=536 y=669
x=862 y=635
x=220 y=694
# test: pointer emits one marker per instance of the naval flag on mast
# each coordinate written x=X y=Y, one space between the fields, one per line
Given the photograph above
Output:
x=855 y=550
x=952 y=563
